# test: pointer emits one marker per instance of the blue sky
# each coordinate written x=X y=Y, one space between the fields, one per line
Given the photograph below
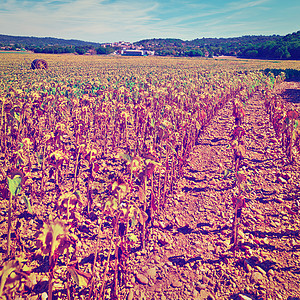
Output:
x=133 y=20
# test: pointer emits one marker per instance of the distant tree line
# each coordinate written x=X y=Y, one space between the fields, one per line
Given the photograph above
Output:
x=266 y=47
x=60 y=49
x=71 y=49
x=51 y=45
x=38 y=41
x=287 y=47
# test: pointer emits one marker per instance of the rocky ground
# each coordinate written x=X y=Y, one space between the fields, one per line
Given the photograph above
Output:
x=189 y=255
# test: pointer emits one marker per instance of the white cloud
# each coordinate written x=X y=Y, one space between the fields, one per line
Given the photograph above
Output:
x=111 y=20
x=81 y=18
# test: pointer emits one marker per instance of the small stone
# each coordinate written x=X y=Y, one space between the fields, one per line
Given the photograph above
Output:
x=58 y=286
x=248 y=289
x=262 y=271
x=247 y=266
x=169 y=264
x=271 y=272
x=241 y=234
x=169 y=218
x=163 y=240
x=195 y=293
x=31 y=280
x=201 y=286
x=260 y=217
x=273 y=140
x=157 y=288
x=179 y=222
x=155 y=224
x=279 y=279
x=163 y=297
x=130 y=295
x=210 y=247
x=243 y=297
x=262 y=287
x=217 y=250
x=205 y=279
x=279 y=199
x=142 y=279
x=256 y=277
x=282 y=180
x=156 y=259
x=204 y=294
x=189 y=267
x=142 y=296
x=162 y=225
x=152 y=273
x=226 y=243
x=176 y=283
x=44 y=296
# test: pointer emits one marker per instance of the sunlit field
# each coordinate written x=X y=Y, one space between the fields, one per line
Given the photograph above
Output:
x=97 y=151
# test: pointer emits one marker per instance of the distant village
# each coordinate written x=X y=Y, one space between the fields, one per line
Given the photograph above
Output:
x=128 y=49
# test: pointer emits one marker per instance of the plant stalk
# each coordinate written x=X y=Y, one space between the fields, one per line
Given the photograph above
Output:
x=102 y=294
x=9 y=225
x=76 y=169
x=95 y=259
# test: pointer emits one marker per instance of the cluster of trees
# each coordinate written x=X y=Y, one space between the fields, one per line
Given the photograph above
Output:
x=41 y=42
x=71 y=49
x=266 y=47
x=172 y=47
x=51 y=45
x=287 y=47
x=203 y=47
x=53 y=49
x=62 y=49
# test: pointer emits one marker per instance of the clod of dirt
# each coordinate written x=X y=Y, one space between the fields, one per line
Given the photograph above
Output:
x=256 y=277
x=142 y=279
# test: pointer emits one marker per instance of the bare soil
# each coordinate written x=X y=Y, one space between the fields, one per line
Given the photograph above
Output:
x=189 y=255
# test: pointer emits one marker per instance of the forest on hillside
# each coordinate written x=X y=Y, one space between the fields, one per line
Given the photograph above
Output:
x=259 y=47
x=50 y=45
x=267 y=47
x=27 y=41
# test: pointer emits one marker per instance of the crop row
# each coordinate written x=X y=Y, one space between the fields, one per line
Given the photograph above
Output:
x=108 y=150
x=285 y=120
